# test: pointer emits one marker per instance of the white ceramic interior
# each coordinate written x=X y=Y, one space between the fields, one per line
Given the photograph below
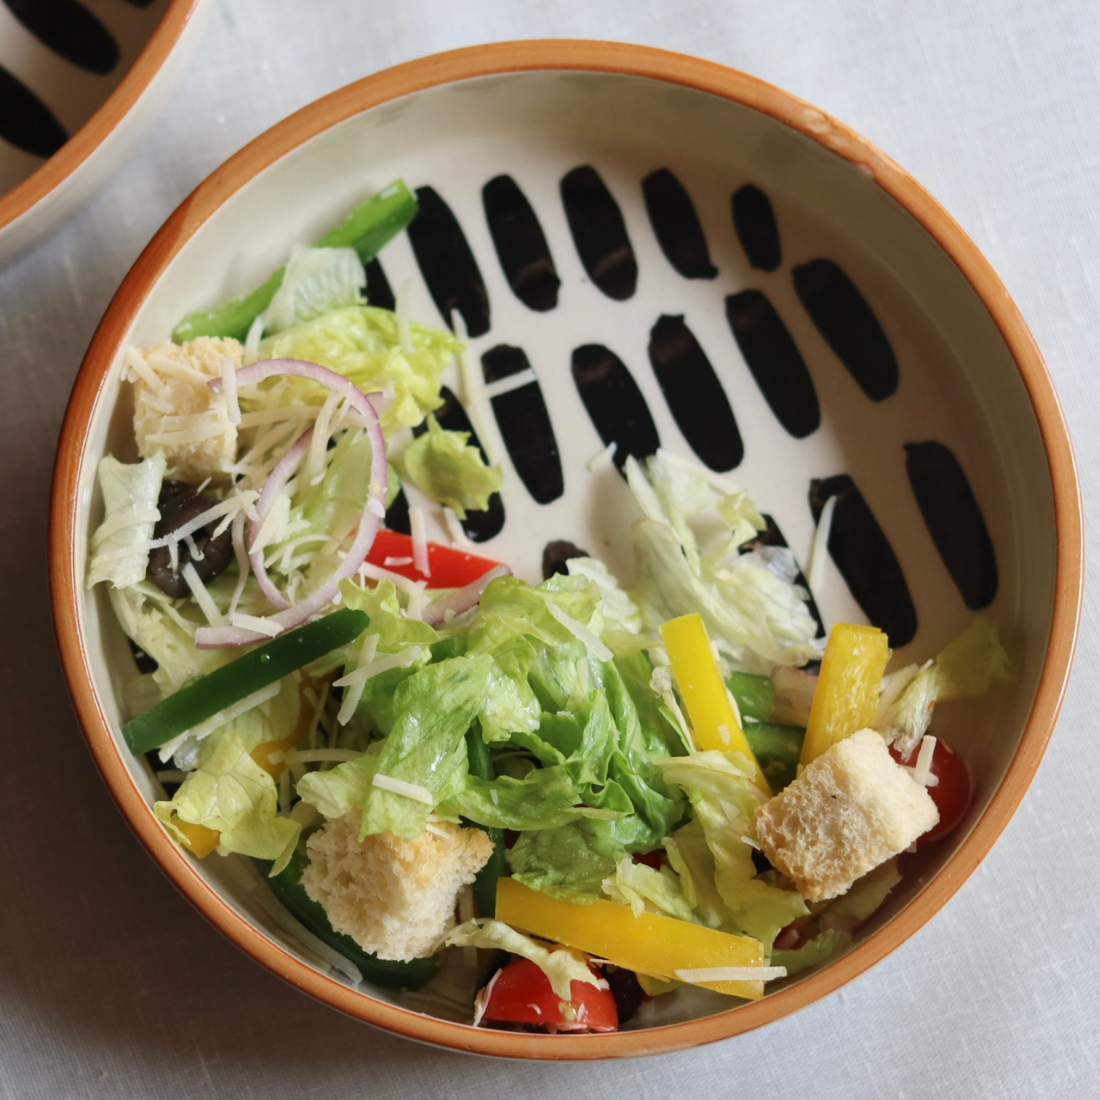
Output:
x=958 y=381
x=162 y=32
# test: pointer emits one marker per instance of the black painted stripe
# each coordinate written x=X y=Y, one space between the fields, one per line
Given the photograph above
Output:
x=695 y=396
x=865 y=558
x=772 y=536
x=599 y=233
x=614 y=403
x=69 y=29
x=447 y=264
x=849 y=326
x=775 y=361
x=397 y=514
x=756 y=227
x=140 y=3
x=556 y=553
x=379 y=292
x=676 y=225
x=954 y=520
x=479 y=526
x=521 y=244
x=25 y=121
x=525 y=425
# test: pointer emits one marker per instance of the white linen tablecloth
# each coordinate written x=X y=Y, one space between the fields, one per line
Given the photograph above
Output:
x=112 y=987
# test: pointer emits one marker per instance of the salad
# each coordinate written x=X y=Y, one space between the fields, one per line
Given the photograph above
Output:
x=547 y=805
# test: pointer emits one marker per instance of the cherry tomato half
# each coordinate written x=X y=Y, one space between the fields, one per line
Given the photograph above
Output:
x=953 y=789
x=521 y=994
x=450 y=568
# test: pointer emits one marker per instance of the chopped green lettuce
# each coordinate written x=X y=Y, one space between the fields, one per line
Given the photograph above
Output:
x=364 y=344
x=448 y=470
x=966 y=668
x=691 y=562
x=643 y=887
x=561 y=965
x=317 y=280
x=426 y=746
x=725 y=799
x=233 y=795
x=130 y=494
x=823 y=948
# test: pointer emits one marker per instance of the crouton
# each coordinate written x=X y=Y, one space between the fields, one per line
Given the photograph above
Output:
x=850 y=810
x=393 y=897
x=182 y=416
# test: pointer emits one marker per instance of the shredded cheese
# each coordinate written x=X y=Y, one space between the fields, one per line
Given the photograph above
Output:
x=252 y=340
x=922 y=769
x=602 y=459
x=401 y=311
x=815 y=570
x=698 y=975
x=419 y=541
x=454 y=528
x=399 y=786
x=391 y=563
x=511 y=382
x=254 y=622
x=229 y=390
x=361 y=674
x=473 y=390
x=202 y=595
x=355 y=691
x=580 y=631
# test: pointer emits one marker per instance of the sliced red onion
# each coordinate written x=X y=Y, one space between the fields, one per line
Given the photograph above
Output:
x=278 y=477
x=462 y=599
x=224 y=636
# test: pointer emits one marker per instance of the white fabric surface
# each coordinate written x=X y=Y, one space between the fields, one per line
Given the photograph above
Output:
x=110 y=986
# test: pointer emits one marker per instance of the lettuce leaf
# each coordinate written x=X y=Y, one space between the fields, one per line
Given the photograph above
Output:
x=130 y=494
x=689 y=551
x=363 y=344
x=317 y=280
x=342 y=789
x=233 y=795
x=426 y=746
x=448 y=470
x=724 y=800
x=561 y=965
x=966 y=668
x=639 y=886
x=823 y=948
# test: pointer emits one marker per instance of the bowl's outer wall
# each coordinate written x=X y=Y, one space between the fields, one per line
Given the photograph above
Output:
x=87 y=160
x=1047 y=571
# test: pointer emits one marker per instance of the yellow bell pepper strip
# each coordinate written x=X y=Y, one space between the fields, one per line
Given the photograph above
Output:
x=197 y=839
x=847 y=687
x=649 y=943
x=203 y=698
x=714 y=723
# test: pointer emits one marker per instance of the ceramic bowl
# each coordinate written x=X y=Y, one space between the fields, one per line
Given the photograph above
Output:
x=670 y=251
x=79 y=82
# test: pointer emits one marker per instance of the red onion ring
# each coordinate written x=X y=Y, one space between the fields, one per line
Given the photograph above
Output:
x=462 y=599
x=220 y=637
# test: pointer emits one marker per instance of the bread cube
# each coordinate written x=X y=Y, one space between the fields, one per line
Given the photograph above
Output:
x=393 y=897
x=850 y=810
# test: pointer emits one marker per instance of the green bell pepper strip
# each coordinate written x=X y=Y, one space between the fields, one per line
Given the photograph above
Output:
x=205 y=697
x=393 y=974
x=755 y=695
x=777 y=748
x=485 y=884
x=369 y=226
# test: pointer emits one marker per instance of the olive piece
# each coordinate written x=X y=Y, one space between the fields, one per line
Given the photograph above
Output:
x=179 y=504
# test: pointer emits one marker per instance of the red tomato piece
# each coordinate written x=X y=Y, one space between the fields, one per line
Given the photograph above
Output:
x=952 y=792
x=521 y=994
x=450 y=568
